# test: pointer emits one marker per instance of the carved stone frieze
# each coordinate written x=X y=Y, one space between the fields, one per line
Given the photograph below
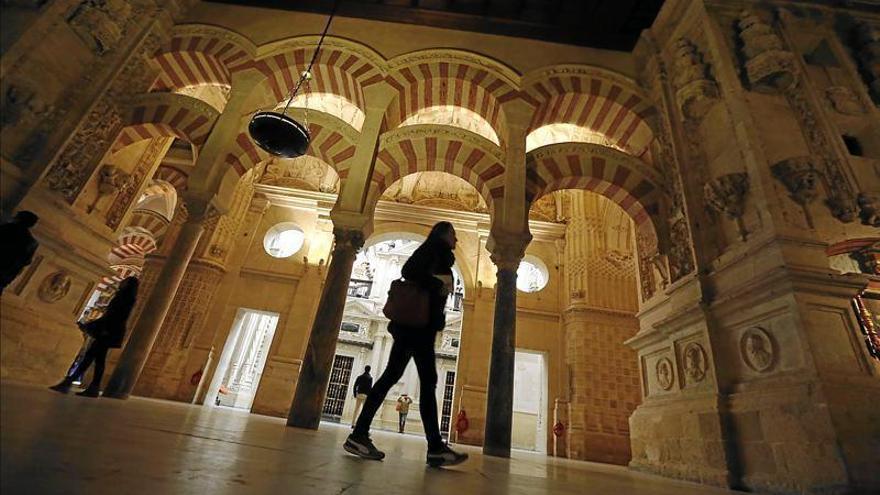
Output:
x=769 y=67
x=100 y=23
x=757 y=350
x=726 y=194
x=843 y=100
x=696 y=90
x=126 y=196
x=102 y=124
x=841 y=200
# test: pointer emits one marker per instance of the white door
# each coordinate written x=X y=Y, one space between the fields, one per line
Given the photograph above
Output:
x=529 y=402
x=244 y=356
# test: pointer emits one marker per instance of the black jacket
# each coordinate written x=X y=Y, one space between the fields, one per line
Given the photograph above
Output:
x=363 y=384
x=431 y=258
x=17 y=247
x=109 y=329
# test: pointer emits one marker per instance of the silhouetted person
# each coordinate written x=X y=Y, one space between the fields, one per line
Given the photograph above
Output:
x=362 y=387
x=17 y=246
x=403 y=403
x=430 y=267
x=108 y=332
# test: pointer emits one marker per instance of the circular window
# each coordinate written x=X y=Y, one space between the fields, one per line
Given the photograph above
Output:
x=283 y=240
x=531 y=276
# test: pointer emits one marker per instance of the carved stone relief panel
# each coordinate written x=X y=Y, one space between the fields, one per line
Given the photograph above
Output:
x=694 y=363
x=757 y=349
x=54 y=287
x=100 y=23
x=844 y=101
x=664 y=372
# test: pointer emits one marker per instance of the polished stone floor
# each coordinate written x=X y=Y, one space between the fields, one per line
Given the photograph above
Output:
x=51 y=443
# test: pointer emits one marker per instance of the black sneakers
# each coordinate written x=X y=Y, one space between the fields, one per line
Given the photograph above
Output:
x=362 y=446
x=444 y=456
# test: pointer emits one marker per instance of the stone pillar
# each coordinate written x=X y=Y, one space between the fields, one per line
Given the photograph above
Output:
x=144 y=334
x=499 y=403
x=305 y=411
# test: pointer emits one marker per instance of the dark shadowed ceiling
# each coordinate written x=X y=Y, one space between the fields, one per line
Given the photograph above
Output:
x=612 y=24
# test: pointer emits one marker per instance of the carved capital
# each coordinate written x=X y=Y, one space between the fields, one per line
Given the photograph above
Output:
x=726 y=194
x=799 y=176
x=347 y=240
x=769 y=67
x=696 y=91
x=507 y=250
x=869 y=209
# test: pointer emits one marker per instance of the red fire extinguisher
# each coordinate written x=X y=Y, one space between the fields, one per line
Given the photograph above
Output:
x=461 y=422
x=558 y=429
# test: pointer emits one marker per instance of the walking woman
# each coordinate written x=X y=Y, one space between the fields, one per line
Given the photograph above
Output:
x=430 y=267
x=108 y=332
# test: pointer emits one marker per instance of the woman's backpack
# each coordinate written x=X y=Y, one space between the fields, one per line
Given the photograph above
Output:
x=409 y=304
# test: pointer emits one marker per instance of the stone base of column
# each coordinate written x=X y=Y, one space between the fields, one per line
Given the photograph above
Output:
x=277 y=386
x=680 y=439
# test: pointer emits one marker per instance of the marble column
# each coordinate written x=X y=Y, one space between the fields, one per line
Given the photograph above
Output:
x=143 y=335
x=499 y=401
x=311 y=388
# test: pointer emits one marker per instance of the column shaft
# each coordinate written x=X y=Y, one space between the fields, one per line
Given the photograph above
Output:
x=311 y=388
x=499 y=403
x=144 y=334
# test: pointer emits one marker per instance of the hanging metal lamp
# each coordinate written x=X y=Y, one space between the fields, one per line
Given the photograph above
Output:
x=278 y=133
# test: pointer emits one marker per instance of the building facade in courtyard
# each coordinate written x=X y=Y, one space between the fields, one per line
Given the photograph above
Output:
x=694 y=219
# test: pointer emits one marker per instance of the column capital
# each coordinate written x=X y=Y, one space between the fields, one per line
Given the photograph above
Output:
x=345 y=239
x=508 y=249
x=201 y=208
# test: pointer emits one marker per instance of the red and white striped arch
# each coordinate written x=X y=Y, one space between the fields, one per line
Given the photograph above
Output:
x=421 y=148
x=244 y=154
x=630 y=183
x=132 y=246
x=448 y=77
x=332 y=147
x=342 y=68
x=156 y=115
x=594 y=98
x=172 y=175
x=200 y=54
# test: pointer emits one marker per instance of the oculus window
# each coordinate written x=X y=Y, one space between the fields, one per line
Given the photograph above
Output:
x=283 y=240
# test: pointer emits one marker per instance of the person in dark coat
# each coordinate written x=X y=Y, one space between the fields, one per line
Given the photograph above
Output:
x=361 y=389
x=108 y=332
x=17 y=246
x=430 y=267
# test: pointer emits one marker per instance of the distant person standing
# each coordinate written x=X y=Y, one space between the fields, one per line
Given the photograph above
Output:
x=108 y=332
x=403 y=403
x=362 y=386
x=17 y=246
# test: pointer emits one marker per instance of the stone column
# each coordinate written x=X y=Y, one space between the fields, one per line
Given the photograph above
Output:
x=144 y=333
x=311 y=388
x=499 y=404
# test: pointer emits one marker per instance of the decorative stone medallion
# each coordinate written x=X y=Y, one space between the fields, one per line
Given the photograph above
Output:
x=54 y=287
x=756 y=349
x=664 y=373
x=694 y=362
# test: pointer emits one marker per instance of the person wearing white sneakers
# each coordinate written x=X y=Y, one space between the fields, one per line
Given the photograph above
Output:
x=430 y=268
